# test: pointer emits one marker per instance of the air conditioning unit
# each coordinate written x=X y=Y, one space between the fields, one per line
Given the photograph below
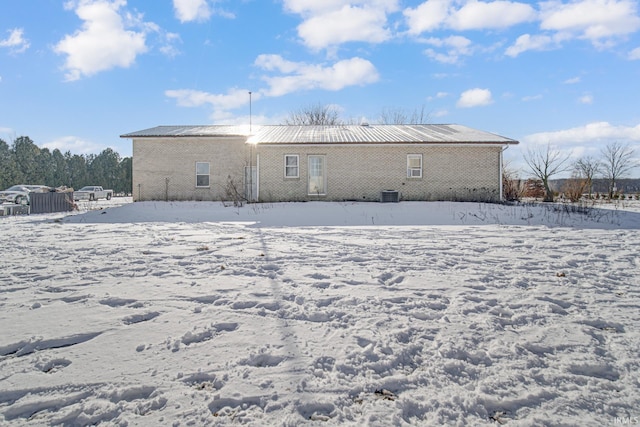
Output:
x=389 y=196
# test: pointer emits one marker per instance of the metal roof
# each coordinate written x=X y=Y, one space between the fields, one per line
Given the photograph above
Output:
x=338 y=134
x=178 y=131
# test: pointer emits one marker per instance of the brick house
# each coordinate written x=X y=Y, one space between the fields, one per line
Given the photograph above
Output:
x=334 y=163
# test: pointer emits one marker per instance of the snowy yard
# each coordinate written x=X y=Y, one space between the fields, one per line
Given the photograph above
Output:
x=319 y=314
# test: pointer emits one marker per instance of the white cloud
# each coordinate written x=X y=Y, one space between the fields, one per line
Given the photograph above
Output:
x=333 y=22
x=532 y=98
x=103 y=42
x=429 y=16
x=474 y=98
x=572 y=80
x=634 y=54
x=439 y=95
x=528 y=42
x=602 y=22
x=16 y=41
x=234 y=98
x=192 y=10
x=592 y=132
x=471 y=15
x=348 y=24
x=73 y=144
x=310 y=7
x=276 y=63
x=456 y=46
x=586 y=99
x=594 y=20
x=169 y=41
x=457 y=42
x=302 y=76
x=589 y=139
x=297 y=76
x=315 y=7
x=477 y=15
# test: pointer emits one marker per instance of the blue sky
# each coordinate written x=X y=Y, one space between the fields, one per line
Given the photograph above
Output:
x=76 y=74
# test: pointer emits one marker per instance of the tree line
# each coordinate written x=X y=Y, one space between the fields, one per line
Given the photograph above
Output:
x=23 y=162
x=615 y=162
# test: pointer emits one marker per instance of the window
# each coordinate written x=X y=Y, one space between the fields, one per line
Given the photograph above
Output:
x=414 y=166
x=291 y=169
x=317 y=176
x=202 y=174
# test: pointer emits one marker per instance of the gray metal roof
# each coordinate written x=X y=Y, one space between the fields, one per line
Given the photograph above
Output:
x=177 y=131
x=339 y=134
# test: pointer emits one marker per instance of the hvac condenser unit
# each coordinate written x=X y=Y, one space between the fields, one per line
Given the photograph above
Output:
x=389 y=196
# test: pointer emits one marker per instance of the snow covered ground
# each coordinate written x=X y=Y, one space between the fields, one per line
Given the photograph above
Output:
x=318 y=314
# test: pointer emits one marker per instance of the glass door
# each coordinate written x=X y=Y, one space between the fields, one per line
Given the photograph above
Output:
x=317 y=176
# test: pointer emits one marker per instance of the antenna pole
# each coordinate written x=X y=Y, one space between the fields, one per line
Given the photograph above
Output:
x=250 y=156
x=249 y=111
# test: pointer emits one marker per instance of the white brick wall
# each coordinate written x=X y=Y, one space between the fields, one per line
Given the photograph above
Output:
x=157 y=159
x=361 y=172
x=450 y=172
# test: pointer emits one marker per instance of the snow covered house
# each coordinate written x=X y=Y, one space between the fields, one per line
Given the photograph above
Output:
x=302 y=163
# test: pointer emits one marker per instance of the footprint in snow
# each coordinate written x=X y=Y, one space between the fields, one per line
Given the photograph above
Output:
x=204 y=381
x=388 y=279
x=138 y=318
x=262 y=360
x=52 y=365
x=317 y=411
x=117 y=302
x=318 y=276
x=325 y=363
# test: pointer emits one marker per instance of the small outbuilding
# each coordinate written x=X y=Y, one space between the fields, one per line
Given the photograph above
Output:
x=302 y=163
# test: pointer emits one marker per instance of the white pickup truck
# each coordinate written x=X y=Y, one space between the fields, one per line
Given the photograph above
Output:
x=92 y=192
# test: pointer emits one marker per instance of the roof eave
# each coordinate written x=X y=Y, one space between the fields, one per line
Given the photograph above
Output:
x=497 y=143
x=131 y=136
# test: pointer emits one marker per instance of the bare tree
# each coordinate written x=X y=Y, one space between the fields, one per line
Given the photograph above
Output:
x=314 y=114
x=512 y=186
x=617 y=161
x=574 y=187
x=587 y=168
x=400 y=116
x=545 y=163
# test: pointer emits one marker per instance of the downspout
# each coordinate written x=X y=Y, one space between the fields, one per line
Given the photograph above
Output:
x=501 y=173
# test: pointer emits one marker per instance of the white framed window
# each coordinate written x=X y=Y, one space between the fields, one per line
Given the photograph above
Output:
x=414 y=165
x=317 y=176
x=291 y=166
x=203 y=172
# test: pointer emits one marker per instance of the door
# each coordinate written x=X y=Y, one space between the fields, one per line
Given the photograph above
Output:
x=317 y=176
